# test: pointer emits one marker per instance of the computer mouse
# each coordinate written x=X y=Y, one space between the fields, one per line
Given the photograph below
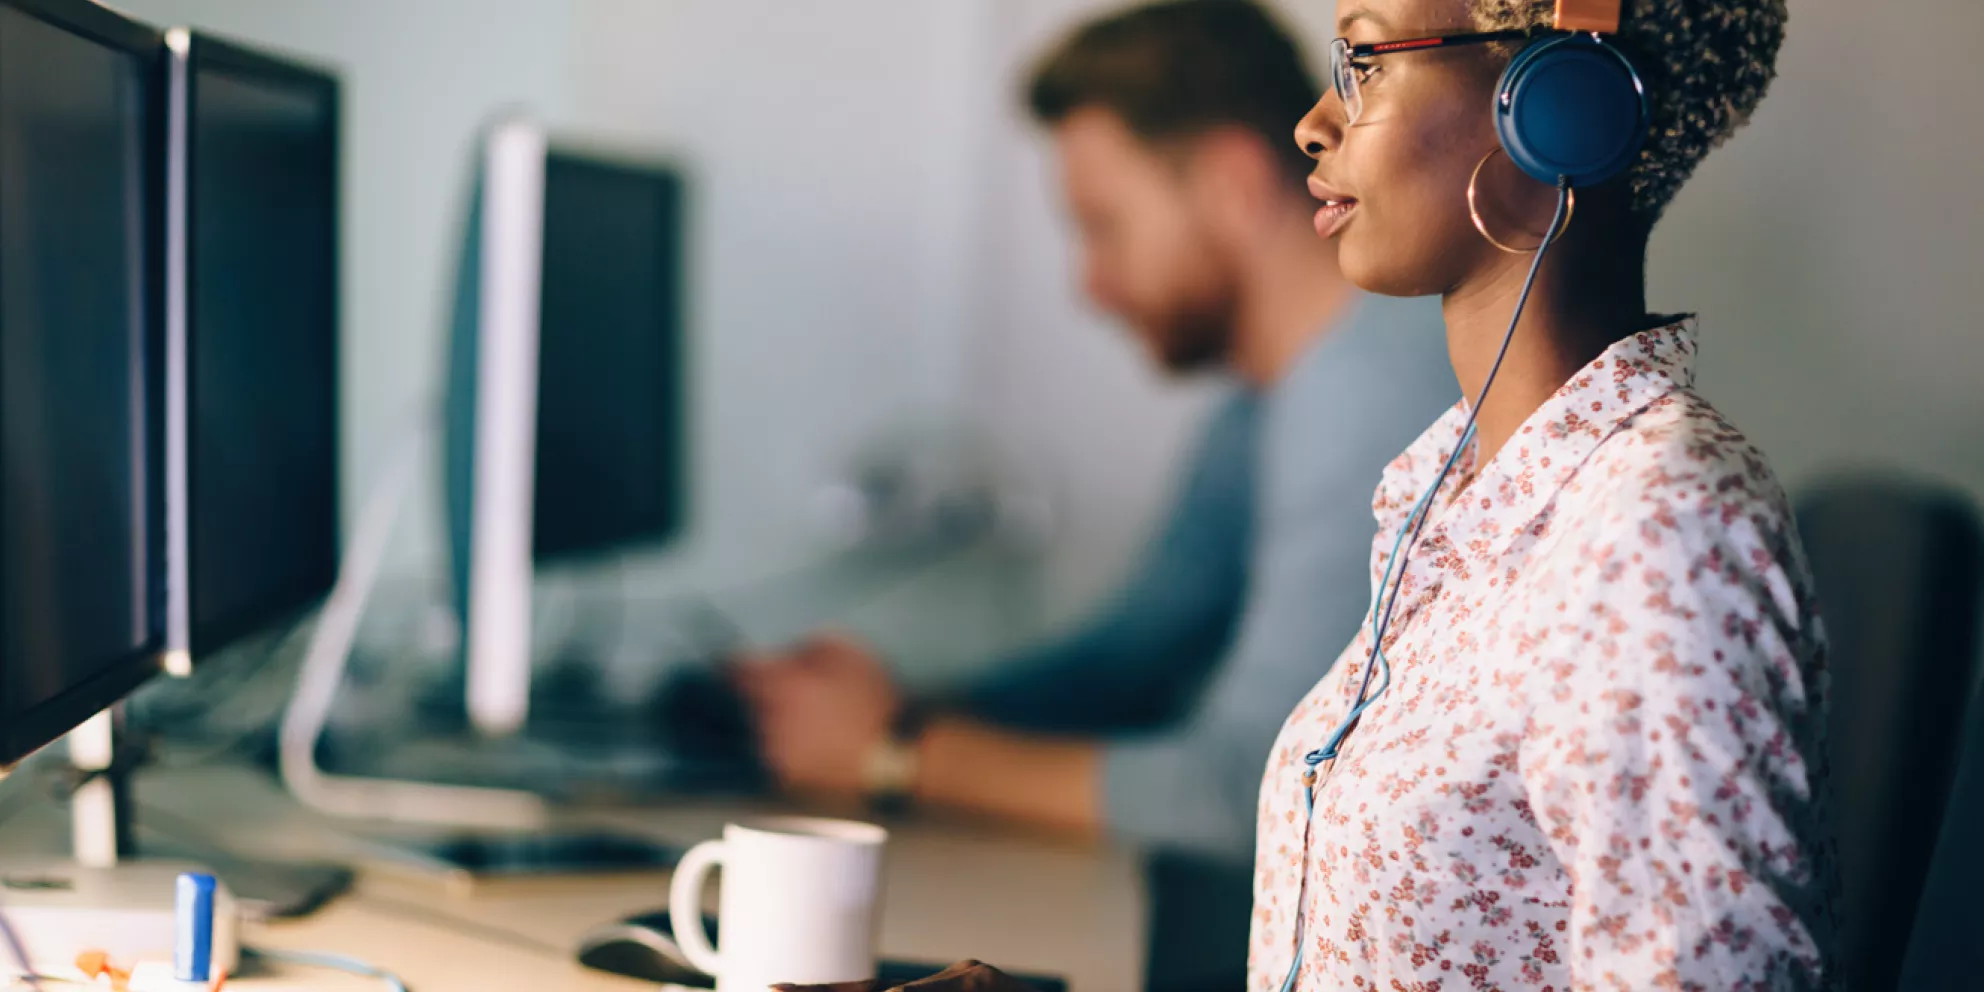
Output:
x=643 y=948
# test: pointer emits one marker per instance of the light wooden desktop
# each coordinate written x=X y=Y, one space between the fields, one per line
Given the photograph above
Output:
x=951 y=892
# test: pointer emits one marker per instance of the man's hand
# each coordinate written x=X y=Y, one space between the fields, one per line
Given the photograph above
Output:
x=820 y=709
x=823 y=707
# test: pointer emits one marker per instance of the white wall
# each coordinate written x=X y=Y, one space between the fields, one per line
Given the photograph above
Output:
x=1835 y=247
x=838 y=157
x=832 y=151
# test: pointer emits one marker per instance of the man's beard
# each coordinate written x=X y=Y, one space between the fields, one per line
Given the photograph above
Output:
x=1197 y=335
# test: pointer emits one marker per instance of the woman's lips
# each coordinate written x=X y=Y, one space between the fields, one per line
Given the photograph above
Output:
x=1336 y=211
x=1333 y=216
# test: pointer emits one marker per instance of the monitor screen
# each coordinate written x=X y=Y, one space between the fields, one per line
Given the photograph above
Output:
x=610 y=429
x=81 y=578
x=262 y=351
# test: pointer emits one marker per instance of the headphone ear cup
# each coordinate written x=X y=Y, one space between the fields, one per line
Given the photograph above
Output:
x=1571 y=106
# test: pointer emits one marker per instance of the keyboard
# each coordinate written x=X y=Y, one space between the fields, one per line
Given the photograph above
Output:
x=692 y=736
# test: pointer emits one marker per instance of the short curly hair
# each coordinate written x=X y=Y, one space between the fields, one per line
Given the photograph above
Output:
x=1706 y=65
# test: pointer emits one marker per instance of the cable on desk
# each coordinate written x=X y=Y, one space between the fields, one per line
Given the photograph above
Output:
x=333 y=962
x=20 y=952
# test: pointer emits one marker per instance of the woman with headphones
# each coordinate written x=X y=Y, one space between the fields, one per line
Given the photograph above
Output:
x=1578 y=743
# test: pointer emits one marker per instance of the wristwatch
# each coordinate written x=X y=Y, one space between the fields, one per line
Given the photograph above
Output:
x=888 y=773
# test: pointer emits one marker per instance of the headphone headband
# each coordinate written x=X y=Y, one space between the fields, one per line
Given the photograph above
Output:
x=1598 y=16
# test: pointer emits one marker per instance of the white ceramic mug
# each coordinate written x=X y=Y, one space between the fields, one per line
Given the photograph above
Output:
x=799 y=903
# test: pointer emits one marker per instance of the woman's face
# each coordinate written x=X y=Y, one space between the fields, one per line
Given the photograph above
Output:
x=1400 y=174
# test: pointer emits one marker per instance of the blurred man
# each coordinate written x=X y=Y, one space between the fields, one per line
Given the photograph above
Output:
x=1172 y=125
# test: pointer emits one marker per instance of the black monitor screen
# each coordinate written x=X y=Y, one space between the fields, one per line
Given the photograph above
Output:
x=81 y=542
x=262 y=382
x=609 y=409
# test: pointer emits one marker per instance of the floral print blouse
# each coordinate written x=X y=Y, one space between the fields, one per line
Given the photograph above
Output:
x=1598 y=764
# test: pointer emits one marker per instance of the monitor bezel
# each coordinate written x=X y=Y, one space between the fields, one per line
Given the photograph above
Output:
x=24 y=730
x=207 y=52
x=491 y=546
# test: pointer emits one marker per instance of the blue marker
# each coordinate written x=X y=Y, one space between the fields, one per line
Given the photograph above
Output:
x=193 y=923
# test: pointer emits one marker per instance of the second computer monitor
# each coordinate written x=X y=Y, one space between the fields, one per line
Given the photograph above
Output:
x=253 y=319
x=609 y=464
x=565 y=423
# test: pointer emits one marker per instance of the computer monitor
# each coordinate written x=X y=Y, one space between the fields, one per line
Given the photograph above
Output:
x=82 y=535
x=565 y=434
x=252 y=340
x=609 y=465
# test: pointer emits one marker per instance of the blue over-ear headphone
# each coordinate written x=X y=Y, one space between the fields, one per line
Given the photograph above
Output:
x=1571 y=105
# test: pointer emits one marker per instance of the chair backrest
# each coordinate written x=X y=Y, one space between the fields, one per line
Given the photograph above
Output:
x=1947 y=949
x=1899 y=570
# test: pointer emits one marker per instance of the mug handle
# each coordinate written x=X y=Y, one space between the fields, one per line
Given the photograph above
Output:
x=685 y=904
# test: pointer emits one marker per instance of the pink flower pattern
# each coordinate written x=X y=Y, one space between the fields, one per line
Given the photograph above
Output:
x=1598 y=765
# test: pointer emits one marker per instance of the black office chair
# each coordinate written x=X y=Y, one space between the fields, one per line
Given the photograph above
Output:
x=1947 y=948
x=1200 y=912
x=1899 y=570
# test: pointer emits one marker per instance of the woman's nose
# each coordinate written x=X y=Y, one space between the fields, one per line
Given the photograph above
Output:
x=1319 y=130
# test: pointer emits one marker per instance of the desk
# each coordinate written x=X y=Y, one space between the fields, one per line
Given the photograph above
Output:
x=1035 y=905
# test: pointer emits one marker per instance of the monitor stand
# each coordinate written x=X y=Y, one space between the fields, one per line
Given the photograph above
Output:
x=492 y=816
x=109 y=829
x=100 y=832
x=102 y=898
x=317 y=685
x=105 y=834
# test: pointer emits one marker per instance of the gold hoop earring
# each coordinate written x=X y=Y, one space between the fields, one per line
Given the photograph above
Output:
x=1474 y=211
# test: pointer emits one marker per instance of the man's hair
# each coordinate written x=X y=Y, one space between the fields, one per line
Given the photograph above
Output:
x=1706 y=65
x=1180 y=68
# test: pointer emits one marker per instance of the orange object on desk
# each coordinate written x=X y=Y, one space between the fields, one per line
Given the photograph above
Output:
x=96 y=964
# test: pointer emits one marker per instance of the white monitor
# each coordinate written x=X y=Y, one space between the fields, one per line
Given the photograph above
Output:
x=492 y=422
x=565 y=415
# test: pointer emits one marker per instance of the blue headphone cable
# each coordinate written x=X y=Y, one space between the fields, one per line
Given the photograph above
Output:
x=1386 y=597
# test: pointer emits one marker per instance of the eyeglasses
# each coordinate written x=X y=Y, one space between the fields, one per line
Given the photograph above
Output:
x=1350 y=64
